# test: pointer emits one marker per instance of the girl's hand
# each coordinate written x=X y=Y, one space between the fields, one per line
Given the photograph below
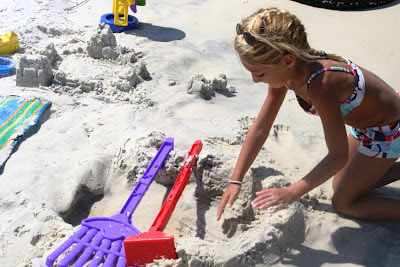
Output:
x=277 y=198
x=229 y=196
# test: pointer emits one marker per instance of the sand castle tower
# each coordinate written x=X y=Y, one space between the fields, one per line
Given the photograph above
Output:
x=34 y=70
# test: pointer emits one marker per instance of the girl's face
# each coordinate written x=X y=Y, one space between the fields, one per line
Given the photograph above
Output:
x=275 y=75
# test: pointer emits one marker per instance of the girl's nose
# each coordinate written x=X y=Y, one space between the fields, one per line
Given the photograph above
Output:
x=256 y=79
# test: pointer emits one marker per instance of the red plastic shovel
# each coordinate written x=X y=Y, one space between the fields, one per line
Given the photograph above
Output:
x=148 y=246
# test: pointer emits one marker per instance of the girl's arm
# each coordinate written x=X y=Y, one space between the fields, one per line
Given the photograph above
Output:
x=326 y=102
x=253 y=143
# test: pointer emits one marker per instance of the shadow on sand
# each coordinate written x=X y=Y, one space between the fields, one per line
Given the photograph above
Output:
x=157 y=33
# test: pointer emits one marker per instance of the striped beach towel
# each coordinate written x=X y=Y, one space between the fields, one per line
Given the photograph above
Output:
x=17 y=116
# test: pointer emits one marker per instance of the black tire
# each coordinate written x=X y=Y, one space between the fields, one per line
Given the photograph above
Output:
x=344 y=4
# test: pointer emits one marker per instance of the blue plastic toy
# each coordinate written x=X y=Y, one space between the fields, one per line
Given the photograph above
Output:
x=109 y=20
x=119 y=20
x=6 y=65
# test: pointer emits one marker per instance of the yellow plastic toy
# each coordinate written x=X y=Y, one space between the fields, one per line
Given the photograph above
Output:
x=9 y=43
x=120 y=10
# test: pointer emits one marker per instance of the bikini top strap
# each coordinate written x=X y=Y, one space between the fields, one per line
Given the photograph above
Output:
x=352 y=71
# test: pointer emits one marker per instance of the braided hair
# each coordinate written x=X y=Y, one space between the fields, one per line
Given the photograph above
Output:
x=276 y=33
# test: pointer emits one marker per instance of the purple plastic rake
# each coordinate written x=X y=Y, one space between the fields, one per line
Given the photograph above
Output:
x=100 y=239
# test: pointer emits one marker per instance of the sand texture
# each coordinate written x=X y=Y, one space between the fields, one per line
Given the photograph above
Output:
x=116 y=97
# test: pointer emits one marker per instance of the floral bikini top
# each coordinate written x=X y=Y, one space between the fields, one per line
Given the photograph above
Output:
x=350 y=103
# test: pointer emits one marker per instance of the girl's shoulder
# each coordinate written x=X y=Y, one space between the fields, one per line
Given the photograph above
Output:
x=331 y=73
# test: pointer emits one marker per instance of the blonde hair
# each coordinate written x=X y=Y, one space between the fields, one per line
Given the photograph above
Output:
x=276 y=32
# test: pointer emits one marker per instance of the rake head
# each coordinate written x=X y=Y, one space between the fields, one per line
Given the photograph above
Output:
x=99 y=240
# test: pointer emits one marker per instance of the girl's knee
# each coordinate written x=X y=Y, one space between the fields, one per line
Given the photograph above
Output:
x=335 y=181
x=340 y=205
x=335 y=201
x=334 y=185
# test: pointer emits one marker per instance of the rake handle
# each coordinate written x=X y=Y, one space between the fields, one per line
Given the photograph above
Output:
x=169 y=205
x=146 y=179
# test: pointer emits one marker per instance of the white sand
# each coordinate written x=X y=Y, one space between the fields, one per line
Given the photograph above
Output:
x=109 y=116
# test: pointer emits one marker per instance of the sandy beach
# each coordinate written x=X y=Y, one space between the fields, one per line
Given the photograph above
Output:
x=115 y=97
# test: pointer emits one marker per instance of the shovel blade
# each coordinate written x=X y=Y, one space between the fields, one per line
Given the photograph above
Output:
x=146 y=247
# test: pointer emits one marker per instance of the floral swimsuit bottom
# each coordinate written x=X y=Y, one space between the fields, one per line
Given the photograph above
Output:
x=380 y=141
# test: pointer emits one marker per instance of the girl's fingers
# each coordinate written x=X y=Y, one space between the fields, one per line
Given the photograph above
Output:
x=262 y=192
x=228 y=198
x=268 y=204
x=221 y=207
x=269 y=198
x=266 y=193
x=231 y=199
x=276 y=208
x=264 y=201
x=260 y=196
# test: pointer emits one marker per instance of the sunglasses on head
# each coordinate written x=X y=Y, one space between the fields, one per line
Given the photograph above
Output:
x=248 y=37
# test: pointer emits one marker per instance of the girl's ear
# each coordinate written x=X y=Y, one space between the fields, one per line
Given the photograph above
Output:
x=289 y=60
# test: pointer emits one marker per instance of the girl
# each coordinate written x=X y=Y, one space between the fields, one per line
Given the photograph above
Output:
x=272 y=45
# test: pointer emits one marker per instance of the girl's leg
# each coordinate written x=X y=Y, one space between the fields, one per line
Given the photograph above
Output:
x=393 y=174
x=353 y=197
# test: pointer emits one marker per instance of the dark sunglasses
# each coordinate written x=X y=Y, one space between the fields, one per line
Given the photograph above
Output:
x=248 y=37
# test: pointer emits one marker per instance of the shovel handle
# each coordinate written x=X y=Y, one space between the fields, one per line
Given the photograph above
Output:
x=169 y=205
x=146 y=179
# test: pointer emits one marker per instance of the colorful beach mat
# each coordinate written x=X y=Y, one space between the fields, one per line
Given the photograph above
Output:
x=17 y=116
